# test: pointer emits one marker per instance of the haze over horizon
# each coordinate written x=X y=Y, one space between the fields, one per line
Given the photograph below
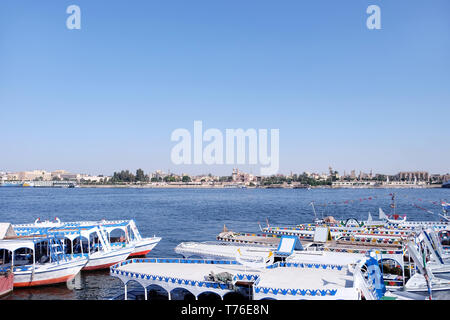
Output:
x=107 y=97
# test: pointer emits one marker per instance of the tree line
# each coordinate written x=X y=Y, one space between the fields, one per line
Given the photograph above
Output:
x=127 y=176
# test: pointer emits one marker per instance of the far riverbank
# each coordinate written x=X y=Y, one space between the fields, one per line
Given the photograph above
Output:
x=189 y=186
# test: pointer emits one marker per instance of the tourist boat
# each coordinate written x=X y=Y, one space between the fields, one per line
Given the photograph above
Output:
x=142 y=246
x=375 y=239
x=353 y=228
x=39 y=261
x=130 y=234
x=387 y=224
x=12 y=184
x=446 y=184
x=259 y=239
x=217 y=250
x=279 y=280
x=95 y=246
x=89 y=241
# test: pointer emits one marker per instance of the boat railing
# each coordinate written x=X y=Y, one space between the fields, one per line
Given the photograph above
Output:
x=114 y=270
x=172 y=260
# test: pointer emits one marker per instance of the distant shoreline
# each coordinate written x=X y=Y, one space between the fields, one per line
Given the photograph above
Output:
x=70 y=184
x=247 y=187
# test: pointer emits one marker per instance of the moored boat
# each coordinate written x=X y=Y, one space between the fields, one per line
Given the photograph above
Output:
x=129 y=236
x=39 y=261
x=279 y=281
x=89 y=241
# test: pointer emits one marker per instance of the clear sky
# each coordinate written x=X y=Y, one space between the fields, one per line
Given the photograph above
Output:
x=107 y=97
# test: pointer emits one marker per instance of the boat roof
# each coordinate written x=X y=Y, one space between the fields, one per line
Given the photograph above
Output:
x=306 y=278
x=6 y=230
x=279 y=276
x=71 y=227
x=74 y=223
x=15 y=244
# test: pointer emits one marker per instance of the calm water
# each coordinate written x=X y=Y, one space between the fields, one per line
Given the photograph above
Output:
x=179 y=215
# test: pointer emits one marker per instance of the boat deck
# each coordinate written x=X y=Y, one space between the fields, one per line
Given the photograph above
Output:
x=284 y=281
x=194 y=272
x=306 y=278
x=269 y=240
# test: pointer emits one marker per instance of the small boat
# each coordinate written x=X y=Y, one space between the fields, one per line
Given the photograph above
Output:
x=89 y=241
x=39 y=261
x=93 y=243
x=12 y=184
x=130 y=235
x=385 y=228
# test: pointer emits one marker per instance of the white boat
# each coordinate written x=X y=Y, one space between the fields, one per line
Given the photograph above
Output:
x=132 y=236
x=279 y=281
x=93 y=243
x=39 y=261
x=386 y=225
x=130 y=233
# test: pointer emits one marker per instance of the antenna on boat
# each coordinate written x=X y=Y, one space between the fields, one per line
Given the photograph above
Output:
x=314 y=209
x=393 y=202
x=267 y=221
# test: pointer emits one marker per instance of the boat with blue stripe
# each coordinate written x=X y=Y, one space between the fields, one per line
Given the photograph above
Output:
x=119 y=233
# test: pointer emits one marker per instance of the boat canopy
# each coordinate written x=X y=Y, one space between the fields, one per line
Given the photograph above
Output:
x=72 y=233
x=111 y=227
x=13 y=245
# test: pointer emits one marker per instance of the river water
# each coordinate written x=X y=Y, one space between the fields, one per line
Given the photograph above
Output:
x=179 y=215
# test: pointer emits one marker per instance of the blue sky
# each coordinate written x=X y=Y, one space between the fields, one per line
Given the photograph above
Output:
x=107 y=97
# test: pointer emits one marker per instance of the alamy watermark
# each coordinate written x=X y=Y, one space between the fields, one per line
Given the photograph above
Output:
x=73 y=22
x=230 y=149
x=374 y=20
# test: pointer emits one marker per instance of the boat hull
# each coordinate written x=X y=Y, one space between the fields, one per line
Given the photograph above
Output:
x=144 y=246
x=105 y=260
x=417 y=283
x=48 y=274
x=6 y=284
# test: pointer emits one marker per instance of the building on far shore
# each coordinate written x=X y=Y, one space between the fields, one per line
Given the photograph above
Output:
x=414 y=175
